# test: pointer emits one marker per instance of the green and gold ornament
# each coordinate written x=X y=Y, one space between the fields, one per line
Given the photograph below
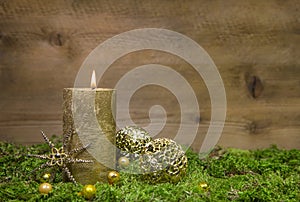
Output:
x=131 y=140
x=160 y=160
x=163 y=161
x=60 y=157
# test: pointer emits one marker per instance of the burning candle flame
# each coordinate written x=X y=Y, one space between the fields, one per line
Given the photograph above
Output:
x=93 y=80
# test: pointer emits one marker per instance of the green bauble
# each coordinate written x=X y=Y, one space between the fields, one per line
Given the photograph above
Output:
x=163 y=161
x=132 y=139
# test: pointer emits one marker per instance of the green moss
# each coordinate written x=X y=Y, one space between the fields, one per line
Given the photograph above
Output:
x=261 y=175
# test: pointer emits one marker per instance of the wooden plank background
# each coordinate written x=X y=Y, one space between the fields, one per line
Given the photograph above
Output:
x=254 y=44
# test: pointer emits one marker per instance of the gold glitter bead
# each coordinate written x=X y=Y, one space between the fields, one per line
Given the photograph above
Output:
x=88 y=191
x=123 y=161
x=45 y=188
x=46 y=177
x=113 y=177
x=204 y=186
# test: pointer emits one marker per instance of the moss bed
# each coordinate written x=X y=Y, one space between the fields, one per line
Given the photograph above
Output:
x=232 y=175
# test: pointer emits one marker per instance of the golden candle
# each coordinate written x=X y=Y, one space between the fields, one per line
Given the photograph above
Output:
x=89 y=113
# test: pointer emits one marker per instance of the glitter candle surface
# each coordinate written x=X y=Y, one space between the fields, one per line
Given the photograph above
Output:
x=89 y=113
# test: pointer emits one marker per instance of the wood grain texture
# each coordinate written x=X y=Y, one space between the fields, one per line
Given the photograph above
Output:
x=254 y=44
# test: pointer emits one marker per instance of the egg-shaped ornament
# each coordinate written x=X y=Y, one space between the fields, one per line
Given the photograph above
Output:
x=164 y=161
x=132 y=140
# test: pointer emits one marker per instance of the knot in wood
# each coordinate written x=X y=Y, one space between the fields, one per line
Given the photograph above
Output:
x=255 y=86
x=56 y=39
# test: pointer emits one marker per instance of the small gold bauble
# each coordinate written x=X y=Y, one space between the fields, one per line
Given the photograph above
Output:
x=45 y=188
x=113 y=177
x=88 y=191
x=123 y=161
x=204 y=186
x=46 y=177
